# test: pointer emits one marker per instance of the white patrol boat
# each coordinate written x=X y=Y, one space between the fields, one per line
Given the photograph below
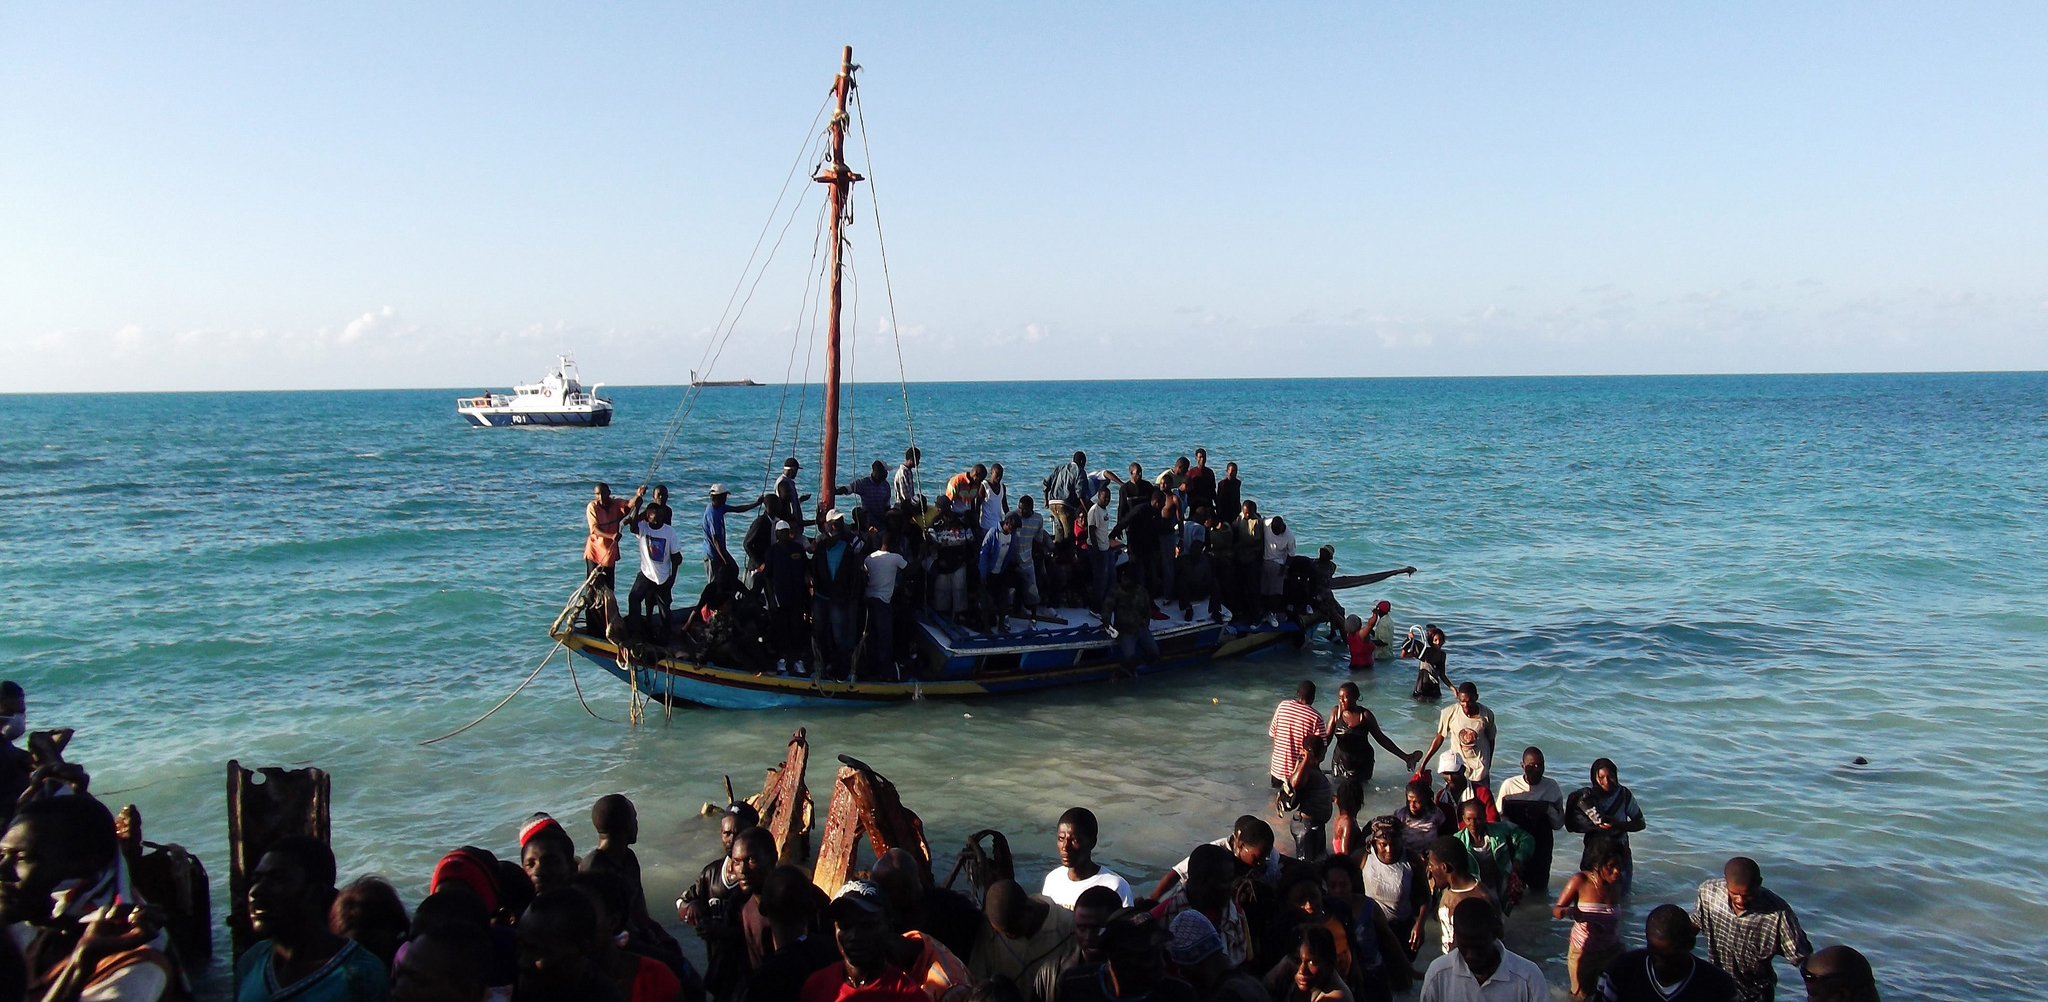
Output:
x=559 y=399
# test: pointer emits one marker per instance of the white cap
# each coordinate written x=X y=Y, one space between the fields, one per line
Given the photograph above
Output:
x=1450 y=762
x=717 y=489
x=834 y=515
x=780 y=525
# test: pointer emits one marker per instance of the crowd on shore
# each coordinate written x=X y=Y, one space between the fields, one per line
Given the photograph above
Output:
x=1345 y=917
x=839 y=602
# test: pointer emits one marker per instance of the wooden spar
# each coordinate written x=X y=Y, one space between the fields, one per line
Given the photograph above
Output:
x=841 y=178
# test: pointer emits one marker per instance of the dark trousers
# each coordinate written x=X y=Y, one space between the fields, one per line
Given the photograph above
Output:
x=881 y=641
x=1136 y=647
x=607 y=577
x=645 y=597
x=1105 y=575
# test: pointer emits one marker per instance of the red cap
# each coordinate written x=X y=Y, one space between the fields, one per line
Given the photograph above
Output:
x=1384 y=607
x=459 y=867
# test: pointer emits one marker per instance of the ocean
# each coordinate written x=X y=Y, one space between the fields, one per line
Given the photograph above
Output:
x=1735 y=587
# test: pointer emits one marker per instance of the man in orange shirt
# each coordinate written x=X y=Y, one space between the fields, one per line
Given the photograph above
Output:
x=604 y=514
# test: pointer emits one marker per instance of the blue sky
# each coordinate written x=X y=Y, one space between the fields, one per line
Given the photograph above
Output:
x=200 y=195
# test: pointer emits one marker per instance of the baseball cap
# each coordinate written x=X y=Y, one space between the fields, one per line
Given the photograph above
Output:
x=1195 y=939
x=862 y=895
x=780 y=525
x=834 y=515
x=1384 y=607
x=718 y=489
x=1450 y=762
x=791 y=464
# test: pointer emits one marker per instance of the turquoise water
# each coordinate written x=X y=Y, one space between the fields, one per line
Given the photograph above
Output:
x=1731 y=585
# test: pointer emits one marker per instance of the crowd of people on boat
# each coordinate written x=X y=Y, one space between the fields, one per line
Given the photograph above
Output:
x=835 y=589
x=1345 y=917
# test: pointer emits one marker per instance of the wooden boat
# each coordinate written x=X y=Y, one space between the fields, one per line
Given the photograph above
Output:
x=970 y=663
x=1068 y=647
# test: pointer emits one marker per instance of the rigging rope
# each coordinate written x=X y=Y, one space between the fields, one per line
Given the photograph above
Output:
x=789 y=369
x=714 y=347
x=882 y=248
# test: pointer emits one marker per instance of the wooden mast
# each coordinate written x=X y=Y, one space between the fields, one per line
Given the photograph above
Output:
x=841 y=178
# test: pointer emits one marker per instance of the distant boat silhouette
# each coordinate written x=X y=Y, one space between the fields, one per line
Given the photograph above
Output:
x=695 y=382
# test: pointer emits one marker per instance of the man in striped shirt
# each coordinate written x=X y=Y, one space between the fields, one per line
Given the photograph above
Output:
x=1293 y=720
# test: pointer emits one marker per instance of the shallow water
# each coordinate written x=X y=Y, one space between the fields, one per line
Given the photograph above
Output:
x=1731 y=585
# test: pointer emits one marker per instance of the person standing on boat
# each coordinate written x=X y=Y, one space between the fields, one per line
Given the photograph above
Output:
x=658 y=563
x=1192 y=580
x=1035 y=545
x=1279 y=549
x=718 y=562
x=873 y=491
x=1198 y=484
x=604 y=515
x=1001 y=558
x=1102 y=548
x=995 y=498
x=1136 y=491
x=789 y=595
x=837 y=587
x=882 y=568
x=903 y=486
x=1229 y=492
x=1138 y=523
x=1250 y=559
x=1223 y=529
x=1066 y=497
x=952 y=549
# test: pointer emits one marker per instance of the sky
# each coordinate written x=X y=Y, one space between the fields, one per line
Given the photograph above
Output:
x=207 y=196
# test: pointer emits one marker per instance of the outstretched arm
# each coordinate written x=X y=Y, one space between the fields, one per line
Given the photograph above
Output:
x=1372 y=724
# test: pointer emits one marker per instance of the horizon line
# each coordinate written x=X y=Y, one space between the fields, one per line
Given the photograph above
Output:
x=464 y=388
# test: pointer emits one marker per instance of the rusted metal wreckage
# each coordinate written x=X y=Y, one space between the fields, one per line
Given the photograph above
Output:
x=864 y=803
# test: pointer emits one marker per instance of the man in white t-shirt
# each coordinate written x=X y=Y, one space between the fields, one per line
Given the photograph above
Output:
x=1078 y=870
x=658 y=560
x=882 y=566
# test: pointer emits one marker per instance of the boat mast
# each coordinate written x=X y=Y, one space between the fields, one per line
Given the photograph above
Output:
x=841 y=178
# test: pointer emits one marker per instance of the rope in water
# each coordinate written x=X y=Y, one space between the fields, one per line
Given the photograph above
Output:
x=501 y=703
x=579 y=692
x=555 y=627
